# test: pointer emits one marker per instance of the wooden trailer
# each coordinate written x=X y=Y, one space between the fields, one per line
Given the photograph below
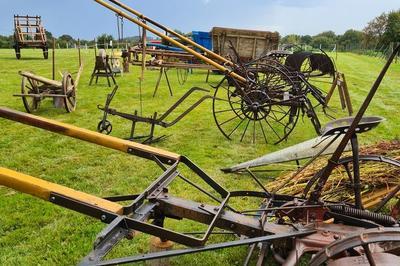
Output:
x=29 y=33
x=250 y=44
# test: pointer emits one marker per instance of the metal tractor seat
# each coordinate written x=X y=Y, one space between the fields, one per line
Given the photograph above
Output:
x=340 y=126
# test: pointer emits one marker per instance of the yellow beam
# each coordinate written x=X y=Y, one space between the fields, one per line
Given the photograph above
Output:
x=173 y=41
x=180 y=36
x=42 y=189
x=87 y=135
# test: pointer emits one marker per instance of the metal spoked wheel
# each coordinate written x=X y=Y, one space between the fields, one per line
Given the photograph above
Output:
x=45 y=53
x=378 y=183
x=370 y=247
x=30 y=86
x=69 y=91
x=267 y=110
x=104 y=127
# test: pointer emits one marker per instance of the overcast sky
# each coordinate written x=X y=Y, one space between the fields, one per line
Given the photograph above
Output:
x=86 y=19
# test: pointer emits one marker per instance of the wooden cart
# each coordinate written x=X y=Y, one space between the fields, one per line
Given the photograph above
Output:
x=250 y=44
x=29 y=33
x=35 y=88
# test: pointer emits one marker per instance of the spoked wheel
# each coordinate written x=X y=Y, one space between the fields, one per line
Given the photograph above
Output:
x=378 y=183
x=104 y=127
x=30 y=86
x=370 y=247
x=69 y=91
x=266 y=110
x=320 y=74
x=17 y=52
x=45 y=53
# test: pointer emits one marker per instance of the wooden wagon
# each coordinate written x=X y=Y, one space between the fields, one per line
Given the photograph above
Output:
x=35 y=88
x=29 y=33
x=250 y=44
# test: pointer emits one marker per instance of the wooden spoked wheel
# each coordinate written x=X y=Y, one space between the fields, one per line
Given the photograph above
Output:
x=69 y=91
x=30 y=86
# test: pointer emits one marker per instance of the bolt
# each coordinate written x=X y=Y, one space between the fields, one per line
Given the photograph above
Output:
x=103 y=217
x=336 y=236
x=52 y=198
x=202 y=205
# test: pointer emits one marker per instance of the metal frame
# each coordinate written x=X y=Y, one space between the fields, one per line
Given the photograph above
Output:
x=105 y=126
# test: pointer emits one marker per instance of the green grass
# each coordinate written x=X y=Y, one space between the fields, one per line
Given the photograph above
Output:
x=33 y=232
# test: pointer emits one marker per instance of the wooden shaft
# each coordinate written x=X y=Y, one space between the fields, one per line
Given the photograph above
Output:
x=171 y=40
x=43 y=189
x=184 y=38
x=41 y=79
x=126 y=146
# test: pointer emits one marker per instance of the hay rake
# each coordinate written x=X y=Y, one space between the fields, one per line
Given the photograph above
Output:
x=260 y=100
x=288 y=227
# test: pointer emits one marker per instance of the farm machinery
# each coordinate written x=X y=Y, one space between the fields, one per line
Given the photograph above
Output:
x=29 y=33
x=35 y=88
x=257 y=100
x=284 y=226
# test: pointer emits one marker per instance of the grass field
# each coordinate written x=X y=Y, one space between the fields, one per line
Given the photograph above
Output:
x=33 y=232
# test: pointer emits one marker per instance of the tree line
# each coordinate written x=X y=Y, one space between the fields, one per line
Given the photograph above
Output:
x=66 y=40
x=378 y=34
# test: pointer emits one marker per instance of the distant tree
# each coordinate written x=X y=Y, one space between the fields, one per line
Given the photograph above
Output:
x=104 y=39
x=374 y=31
x=351 y=39
x=323 y=42
x=392 y=30
x=291 y=39
x=6 y=41
x=306 y=39
x=328 y=34
x=49 y=35
x=66 y=38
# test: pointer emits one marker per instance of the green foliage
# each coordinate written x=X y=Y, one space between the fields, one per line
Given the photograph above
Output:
x=323 y=42
x=104 y=39
x=291 y=39
x=6 y=41
x=351 y=40
x=374 y=31
x=392 y=31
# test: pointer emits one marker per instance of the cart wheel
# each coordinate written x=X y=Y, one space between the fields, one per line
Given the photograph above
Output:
x=29 y=86
x=69 y=91
x=262 y=112
x=104 y=127
x=17 y=52
x=45 y=53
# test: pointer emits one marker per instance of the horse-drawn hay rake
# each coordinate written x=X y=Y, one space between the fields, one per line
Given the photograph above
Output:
x=258 y=100
x=287 y=227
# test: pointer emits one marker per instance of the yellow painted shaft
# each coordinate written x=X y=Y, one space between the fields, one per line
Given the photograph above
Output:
x=171 y=40
x=42 y=189
x=88 y=135
x=183 y=38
